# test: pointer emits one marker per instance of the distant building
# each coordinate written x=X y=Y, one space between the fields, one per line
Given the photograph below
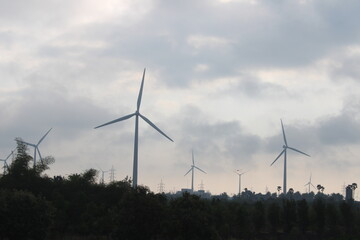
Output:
x=184 y=190
x=349 y=193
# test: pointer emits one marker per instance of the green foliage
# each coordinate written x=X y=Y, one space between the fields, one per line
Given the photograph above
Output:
x=34 y=206
x=24 y=216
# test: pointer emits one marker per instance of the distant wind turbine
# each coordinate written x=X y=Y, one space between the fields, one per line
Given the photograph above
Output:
x=102 y=175
x=136 y=139
x=240 y=174
x=284 y=152
x=192 y=170
x=310 y=184
x=6 y=166
x=36 y=147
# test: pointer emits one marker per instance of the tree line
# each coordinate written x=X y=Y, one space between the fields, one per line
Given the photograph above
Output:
x=36 y=206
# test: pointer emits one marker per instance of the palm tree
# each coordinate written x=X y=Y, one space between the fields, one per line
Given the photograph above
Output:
x=291 y=190
x=278 y=189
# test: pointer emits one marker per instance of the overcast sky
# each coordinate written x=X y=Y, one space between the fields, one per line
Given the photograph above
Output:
x=220 y=76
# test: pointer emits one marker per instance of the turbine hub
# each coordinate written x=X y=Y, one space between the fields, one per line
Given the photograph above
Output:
x=284 y=146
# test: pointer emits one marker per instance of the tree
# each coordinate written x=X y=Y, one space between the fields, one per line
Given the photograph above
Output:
x=303 y=215
x=289 y=210
x=273 y=216
x=320 y=188
x=259 y=216
x=24 y=216
x=319 y=209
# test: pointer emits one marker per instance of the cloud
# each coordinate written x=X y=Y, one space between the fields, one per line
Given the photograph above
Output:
x=29 y=112
x=218 y=142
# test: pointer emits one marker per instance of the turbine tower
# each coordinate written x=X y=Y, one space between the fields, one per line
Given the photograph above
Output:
x=137 y=114
x=285 y=148
x=192 y=170
x=6 y=166
x=36 y=147
x=310 y=184
x=240 y=174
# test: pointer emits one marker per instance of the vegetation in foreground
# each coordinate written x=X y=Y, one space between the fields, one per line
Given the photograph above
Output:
x=35 y=206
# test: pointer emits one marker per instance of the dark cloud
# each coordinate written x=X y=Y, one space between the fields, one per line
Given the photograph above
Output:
x=30 y=112
x=333 y=131
x=267 y=34
x=217 y=141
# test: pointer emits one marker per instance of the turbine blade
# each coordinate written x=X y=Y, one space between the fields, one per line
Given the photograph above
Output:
x=153 y=125
x=39 y=154
x=30 y=144
x=140 y=92
x=192 y=152
x=283 y=131
x=277 y=157
x=188 y=171
x=245 y=172
x=44 y=136
x=313 y=185
x=200 y=169
x=117 y=120
x=294 y=149
x=8 y=156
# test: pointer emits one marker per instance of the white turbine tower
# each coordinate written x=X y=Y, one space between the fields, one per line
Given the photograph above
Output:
x=36 y=147
x=192 y=170
x=6 y=166
x=310 y=184
x=285 y=147
x=137 y=115
x=240 y=174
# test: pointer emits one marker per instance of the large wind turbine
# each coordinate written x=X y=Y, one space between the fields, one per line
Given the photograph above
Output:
x=240 y=174
x=136 y=114
x=310 y=184
x=6 y=165
x=285 y=147
x=192 y=170
x=36 y=147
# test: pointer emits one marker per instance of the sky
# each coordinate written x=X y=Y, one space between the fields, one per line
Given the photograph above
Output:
x=220 y=74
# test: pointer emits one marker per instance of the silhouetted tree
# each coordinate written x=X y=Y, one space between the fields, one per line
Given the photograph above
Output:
x=273 y=216
x=259 y=216
x=303 y=215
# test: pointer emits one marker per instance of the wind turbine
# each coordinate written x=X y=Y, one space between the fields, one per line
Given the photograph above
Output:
x=137 y=114
x=192 y=170
x=285 y=147
x=6 y=166
x=102 y=175
x=240 y=174
x=36 y=147
x=310 y=184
